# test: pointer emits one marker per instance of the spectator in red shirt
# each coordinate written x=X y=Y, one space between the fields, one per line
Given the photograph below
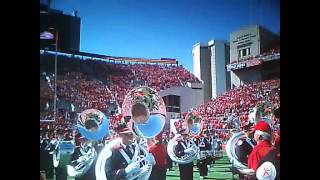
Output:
x=159 y=151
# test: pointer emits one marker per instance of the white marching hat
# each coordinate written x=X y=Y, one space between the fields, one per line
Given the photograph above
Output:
x=266 y=171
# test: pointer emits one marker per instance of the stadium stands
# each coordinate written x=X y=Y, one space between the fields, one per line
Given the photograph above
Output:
x=233 y=105
x=91 y=84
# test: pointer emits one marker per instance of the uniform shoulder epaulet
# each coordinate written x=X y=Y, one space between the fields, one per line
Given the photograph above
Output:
x=240 y=142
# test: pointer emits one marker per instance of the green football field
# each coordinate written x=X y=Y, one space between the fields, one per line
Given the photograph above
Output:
x=218 y=171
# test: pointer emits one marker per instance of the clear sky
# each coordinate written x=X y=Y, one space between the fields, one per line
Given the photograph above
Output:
x=164 y=28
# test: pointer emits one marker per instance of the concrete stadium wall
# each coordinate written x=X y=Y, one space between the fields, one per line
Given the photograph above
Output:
x=189 y=97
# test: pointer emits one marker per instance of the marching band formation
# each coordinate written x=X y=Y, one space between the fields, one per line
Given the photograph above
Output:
x=139 y=149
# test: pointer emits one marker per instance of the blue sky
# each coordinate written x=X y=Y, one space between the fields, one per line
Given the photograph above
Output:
x=164 y=28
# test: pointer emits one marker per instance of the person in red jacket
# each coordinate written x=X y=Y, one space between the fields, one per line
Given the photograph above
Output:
x=262 y=135
x=159 y=151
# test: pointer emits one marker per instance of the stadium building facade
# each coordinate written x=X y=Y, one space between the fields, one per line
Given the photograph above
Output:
x=209 y=65
x=67 y=27
x=182 y=99
x=251 y=57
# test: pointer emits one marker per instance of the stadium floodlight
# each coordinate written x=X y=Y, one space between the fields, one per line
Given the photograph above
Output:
x=55 y=72
x=46 y=35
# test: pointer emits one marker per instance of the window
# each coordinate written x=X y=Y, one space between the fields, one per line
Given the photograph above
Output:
x=244 y=52
x=172 y=103
x=239 y=54
x=249 y=51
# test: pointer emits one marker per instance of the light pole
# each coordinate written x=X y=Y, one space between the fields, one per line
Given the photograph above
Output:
x=55 y=73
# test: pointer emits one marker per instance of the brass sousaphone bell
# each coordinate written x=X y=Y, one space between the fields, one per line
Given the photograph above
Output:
x=193 y=120
x=93 y=124
x=147 y=111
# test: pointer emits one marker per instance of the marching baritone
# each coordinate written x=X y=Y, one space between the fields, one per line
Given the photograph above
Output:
x=186 y=170
x=120 y=164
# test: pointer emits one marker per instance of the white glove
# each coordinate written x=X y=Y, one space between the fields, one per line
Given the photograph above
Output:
x=132 y=168
x=187 y=151
x=150 y=159
x=247 y=171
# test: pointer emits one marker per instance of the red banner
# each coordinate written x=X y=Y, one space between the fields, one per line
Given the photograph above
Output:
x=253 y=62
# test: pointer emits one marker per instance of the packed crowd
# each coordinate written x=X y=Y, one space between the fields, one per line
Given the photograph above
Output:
x=162 y=77
x=233 y=106
x=80 y=80
x=79 y=84
x=77 y=89
x=62 y=126
x=121 y=81
x=92 y=84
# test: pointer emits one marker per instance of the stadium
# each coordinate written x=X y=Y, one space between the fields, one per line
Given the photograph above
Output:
x=88 y=101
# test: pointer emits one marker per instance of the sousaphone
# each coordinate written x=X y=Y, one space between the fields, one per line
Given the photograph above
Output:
x=144 y=111
x=139 y=156
x=230 y=149
x=193 y=126
x=93 y=125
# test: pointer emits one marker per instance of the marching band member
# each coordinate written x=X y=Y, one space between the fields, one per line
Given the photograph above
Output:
x=60 y=172
x=120 y=164
x=244 y=146
x=81 y=149
x=46 y=157
x=213 y=146
x=202 y=162
x=185 y=170
x=209 y=158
